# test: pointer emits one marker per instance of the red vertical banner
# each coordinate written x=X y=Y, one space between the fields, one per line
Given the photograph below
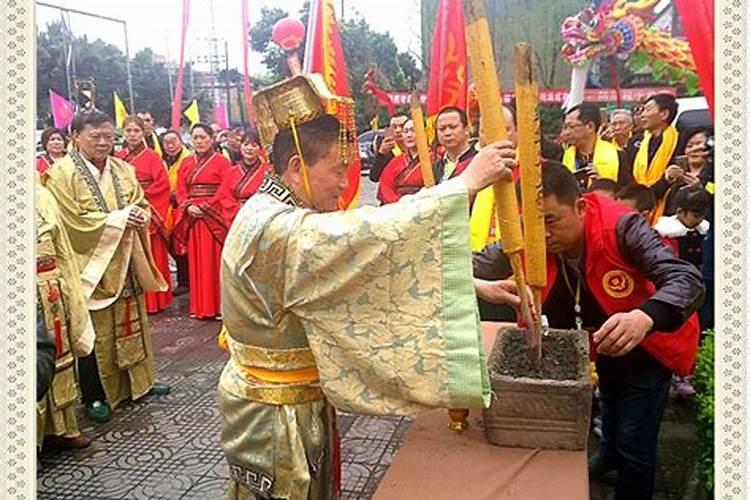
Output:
x=177 y=103
x=247 y=92
x=698 y=20
x=447 y=85
x=324 y=55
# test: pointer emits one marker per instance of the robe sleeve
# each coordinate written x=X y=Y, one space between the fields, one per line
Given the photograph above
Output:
x=157 y=193
x=81 y=329
x=229 y=204
x=386 y=298
x=386 y=188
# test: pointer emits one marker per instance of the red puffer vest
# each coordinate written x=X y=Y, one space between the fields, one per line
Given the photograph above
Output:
x=618 y=287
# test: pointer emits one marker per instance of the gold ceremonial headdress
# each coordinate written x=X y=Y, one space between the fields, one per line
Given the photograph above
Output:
x=299 y=100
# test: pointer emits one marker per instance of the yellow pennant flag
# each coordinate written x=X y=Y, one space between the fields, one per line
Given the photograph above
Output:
x=191 y=112
x=374 y=123
x=121 y=111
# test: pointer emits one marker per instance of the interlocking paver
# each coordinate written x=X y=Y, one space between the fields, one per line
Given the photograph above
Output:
x=168 y=447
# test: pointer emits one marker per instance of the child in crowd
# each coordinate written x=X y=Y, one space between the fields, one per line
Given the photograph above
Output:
x=687 y=228
x=604 y=187
x=685 y=231
x=638 y=197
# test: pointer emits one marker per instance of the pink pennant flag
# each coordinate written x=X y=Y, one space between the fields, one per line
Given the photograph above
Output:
x=221 y=117
x=62 y=109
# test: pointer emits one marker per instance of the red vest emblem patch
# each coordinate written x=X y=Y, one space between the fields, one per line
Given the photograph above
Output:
x=618 y=283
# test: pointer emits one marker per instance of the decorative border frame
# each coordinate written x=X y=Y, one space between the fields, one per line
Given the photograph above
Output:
x=17 y=321
x=17 y=227
x=730 y=444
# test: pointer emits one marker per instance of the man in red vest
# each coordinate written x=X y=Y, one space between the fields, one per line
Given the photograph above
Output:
x=610 y=274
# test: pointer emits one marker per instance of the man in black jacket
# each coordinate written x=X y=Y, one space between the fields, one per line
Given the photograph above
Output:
x=388 y=146
x=610 y=274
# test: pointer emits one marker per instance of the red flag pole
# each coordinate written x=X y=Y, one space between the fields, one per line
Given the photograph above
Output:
x=177 y=102
x=247 y=91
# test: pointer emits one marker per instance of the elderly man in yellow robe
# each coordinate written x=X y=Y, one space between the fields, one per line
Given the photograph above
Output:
x=105 y=214
x=66 y=317
x=369 y=310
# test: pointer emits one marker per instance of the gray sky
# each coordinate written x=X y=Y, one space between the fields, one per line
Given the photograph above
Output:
x=156 y=23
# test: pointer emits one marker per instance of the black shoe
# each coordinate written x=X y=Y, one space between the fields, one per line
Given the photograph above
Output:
x=600 y=464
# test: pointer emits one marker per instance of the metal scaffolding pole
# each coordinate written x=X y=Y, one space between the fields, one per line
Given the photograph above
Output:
x=106 y=18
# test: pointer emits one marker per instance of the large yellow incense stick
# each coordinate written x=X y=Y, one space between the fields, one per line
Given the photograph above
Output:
x=420 y=135
x=487 y=87
x=529 y=156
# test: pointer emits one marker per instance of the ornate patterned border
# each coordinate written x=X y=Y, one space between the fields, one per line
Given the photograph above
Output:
x=17 y=358
x=731 y=246
x=17 y=313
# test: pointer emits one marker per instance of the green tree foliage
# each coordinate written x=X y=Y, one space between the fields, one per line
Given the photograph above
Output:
x=105 y=63
x=536 y=22
x=362 y=48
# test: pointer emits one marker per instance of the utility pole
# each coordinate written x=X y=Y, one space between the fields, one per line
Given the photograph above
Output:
x=64 y=10
x=127 y=67
x=69 y=75
x=226 y=79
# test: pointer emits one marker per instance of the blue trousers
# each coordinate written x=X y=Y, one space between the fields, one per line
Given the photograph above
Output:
x=634 y=390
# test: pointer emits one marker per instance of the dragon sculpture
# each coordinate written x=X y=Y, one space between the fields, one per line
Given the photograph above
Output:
x=620 y=28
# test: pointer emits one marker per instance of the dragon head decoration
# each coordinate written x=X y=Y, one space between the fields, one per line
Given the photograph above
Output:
x=619 y=28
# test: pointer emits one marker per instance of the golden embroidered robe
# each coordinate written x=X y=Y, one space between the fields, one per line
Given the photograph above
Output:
x=116 y=267
x=65 y=315
x=370 y=310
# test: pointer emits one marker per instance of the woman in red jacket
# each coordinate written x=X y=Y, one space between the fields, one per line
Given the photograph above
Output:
x=244 y=178
x=152 y=175
x=200 y=226
x=403 y=174
x=54 y=144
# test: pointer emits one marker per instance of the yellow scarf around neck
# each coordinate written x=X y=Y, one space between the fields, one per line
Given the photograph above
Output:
x=649 y=174
x=605 y=159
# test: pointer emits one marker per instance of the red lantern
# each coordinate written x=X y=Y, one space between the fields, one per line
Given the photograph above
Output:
x=288 y=33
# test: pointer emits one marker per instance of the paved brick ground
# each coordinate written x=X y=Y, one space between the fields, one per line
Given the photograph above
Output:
x=168 y=447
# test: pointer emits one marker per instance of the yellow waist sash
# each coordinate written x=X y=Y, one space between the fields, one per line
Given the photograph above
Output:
x=302 y=376
x=273 y=386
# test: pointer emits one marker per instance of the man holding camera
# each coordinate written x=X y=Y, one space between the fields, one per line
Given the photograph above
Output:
x=589 y=157
x=389 y=145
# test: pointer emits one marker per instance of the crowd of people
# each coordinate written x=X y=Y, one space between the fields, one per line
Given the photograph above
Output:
x=113 y=222
x=628 y=211
x=599 y=170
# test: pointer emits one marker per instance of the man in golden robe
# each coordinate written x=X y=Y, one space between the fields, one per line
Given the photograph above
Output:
x=370 y=310
x=105 y=214
x=66 y=317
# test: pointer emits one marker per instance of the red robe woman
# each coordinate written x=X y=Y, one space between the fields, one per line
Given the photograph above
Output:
x=244 y=178
x=152 y=175
x=403 y=174
x=54 y=144
x=200 y=226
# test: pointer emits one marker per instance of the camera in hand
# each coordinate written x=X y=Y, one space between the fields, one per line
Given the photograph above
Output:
x=583 y=174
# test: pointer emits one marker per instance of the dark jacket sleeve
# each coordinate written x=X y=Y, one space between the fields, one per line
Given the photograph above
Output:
x=379 y=164
x=660 y=188
x=679 y=286
x=491 y=263
x=625 y=169
x=45 y=357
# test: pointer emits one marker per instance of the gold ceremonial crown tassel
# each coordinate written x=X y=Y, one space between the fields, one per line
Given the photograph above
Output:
x=299 y=100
